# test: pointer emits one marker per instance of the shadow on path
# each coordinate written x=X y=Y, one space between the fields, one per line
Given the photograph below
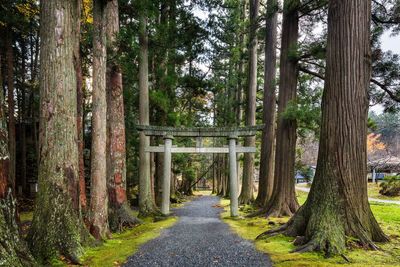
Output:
x=200 y=238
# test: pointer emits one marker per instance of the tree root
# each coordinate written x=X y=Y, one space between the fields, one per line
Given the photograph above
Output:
x=330 y=243
x=244 y=200
x=121 y=218
x=273 y=232
x=256 y=213
x=148 y=209
x=306 y=248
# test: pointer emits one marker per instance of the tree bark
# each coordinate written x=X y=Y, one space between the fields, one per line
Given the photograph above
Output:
x=99 y=197
x=266 y=180
x=56 y=227
x=337 y=207
x=158 y=176
x=11 y=104
x=173 y=184
x=22 y=109
x=146 y=204
x=4 y=153
x=246 y=195
x=240 y=82
x=79 y=117
x=120 y=214
x=13 y=249
x=283 y=201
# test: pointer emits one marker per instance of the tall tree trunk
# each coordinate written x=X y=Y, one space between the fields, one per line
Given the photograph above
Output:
x=173 y=185
x=13 y=250
x=99 y=197
x=266 y=180
x=22 y=128
x=283 y=200
x=158 y=176
x=119 y=212
x=146 y=203
x=33 y=110
x=226 y=175
x=153 y=174
x=4 y=154
x=11 y=104
x=246 y=196
x=240 y=83
x=56 y=227
x=337 y=207
x=79 y=115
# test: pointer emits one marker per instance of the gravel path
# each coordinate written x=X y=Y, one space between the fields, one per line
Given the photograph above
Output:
x=200 y=238
x=306 y=189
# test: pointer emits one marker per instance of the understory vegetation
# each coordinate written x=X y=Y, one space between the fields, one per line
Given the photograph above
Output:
x=391 y=186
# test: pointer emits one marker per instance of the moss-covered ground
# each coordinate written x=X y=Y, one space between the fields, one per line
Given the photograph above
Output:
x=116 y=250
x=279 y=247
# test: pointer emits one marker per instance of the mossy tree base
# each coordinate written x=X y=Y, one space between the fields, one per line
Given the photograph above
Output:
x=122 y=217
x=282 y=205
x=245 y=200
x=148 y=209
x=327 y=221
x=56 y=228
x=13 y=250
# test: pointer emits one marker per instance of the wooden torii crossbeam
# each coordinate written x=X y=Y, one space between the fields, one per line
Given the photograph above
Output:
x=168 y=133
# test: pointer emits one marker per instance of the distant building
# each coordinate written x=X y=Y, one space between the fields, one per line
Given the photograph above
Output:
x=379 y=168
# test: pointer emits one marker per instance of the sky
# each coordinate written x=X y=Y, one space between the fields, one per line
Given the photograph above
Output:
x=390 y=42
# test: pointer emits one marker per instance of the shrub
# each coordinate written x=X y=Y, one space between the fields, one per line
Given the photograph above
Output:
x=390 y=186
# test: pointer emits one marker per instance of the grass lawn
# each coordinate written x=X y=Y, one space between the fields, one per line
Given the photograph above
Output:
x=279 y=247
x=373 y=191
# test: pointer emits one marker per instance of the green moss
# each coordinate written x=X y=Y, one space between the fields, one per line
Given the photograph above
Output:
x=279 y=247
x=116 y=250
x=26 y=216
x=301 y=196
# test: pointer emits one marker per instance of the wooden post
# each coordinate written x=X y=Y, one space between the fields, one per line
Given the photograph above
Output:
x=166 y=184
x=233 y=183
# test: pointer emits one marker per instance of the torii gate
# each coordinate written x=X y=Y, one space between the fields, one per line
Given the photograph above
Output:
x=231 y=133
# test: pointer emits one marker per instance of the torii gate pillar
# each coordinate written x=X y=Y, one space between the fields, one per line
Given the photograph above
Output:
x=233 y=181
x=166 y=184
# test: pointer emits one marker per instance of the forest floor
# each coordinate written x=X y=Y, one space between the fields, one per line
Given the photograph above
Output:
x=279 y=247
x=195 y=235
x=199 y=238
x=116 y=250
